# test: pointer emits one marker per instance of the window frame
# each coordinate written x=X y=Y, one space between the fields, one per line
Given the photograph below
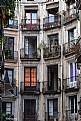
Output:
x=73 y=108
x=9 y=69
x=31 y=19
x=5 y=106
x=30 y=82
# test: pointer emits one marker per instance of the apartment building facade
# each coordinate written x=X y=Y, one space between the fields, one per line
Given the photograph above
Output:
x=40 y=70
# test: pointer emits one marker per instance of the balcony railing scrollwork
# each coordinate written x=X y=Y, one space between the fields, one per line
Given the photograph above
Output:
x=72 y=82
x=32 y=55
x=30 y=87
x=52 y=22
x=26 y=24
x=69 y=16
x=69 y=47
x=71 y=115
x=54 y=51
x=11 y=56
x=49 y=86
x=53 y=117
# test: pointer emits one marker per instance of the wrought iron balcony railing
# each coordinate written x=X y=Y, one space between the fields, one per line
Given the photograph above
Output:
x=30 y=24
x=54 y=51
x=69 y=16
x=53 y=116
x=13 y=24
x=52 y=22
x=72 y=82
x=51 y=87
x=78 y=50
x=11 y=56
x=30 y=87
x=69 y=47
x=32 y=55
x=30 y=117
x=71 y=115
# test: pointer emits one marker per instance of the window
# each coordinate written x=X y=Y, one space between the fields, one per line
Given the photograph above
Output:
x=31 y=16
x=9 y=47
x=53 y=77
x=52 y=41
x=53 y=107
x=30 y=45
x=30 y=76
x=9 y=73
x=73 y=104
x=52 y=16
x=71 y=34
x=7 y=107
x=71 y=5
x=73 y=71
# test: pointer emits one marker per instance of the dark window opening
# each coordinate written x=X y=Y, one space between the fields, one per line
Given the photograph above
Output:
x=30 y=46
x=53 y=77
x=9 y=47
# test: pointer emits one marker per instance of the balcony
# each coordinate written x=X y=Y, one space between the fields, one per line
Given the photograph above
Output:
x=10 y=56
x=50 y=87
x=78 y=51
x=13 y=24
x=33 y=87
x=52 y=22
x=7 y=117
x=69 y=17
x=69 y=48
x=54 y=117
x=72 y=83
x=32 y=117
x=34 y=55
x=26 y=25
x=53 y=52
x=71 y=115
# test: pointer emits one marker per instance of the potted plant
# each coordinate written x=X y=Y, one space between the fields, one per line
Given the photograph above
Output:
x=35 y=54
x=14 y=82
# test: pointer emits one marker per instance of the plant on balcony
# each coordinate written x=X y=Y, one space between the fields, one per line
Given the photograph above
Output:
x=14 y=82
x=6 y=116
x=35 y=54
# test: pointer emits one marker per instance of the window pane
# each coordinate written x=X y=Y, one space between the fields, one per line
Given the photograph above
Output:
x=34 y=17
x=28 y=18
x=76 y=104
x=27 y=76
x=26 y=45
x=51 y=18
x=72 y=104
x=33 y=77
x=8 y=108
x=50 y=107
x=71 y=72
